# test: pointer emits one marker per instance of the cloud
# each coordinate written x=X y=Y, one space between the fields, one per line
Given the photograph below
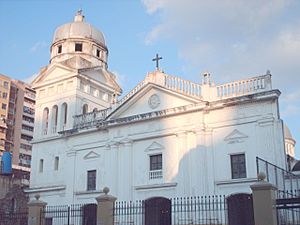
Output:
x=235 y=39
x=29 y=79
x=232 y=39
x=291 y=104
x=38 y=46
x=120 y=78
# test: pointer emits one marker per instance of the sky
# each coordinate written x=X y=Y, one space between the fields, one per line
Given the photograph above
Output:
x=231 y=39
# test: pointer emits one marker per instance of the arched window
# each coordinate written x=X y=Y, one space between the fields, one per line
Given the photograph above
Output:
x=85 y=109
x=54 y=118
x=45 y=120
x=64 y=114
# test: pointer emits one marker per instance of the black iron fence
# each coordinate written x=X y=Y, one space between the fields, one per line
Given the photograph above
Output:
x=288 y=207
x=14 y=218
x=284 y=180
x=79 y=214
x=181 y=211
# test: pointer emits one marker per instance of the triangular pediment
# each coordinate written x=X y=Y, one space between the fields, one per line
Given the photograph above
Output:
x=235 y=136
x=52 y=73
x=91 y=155
x=154 y=147
x=151 y=98
x=77 y=62
x=102 y=76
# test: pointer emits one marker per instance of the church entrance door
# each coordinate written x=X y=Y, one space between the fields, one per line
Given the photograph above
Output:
x=157 y=211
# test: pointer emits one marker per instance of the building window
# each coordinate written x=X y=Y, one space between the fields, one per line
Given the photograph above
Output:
x=56 y=162
x=26 y=137
x=54 y=118
x=78 y=47
x=85 y=109
x=45 y=120
x=64 y=112
x=4 y=95
x=28 y=128
x=41 y=165
x=59 y=49
x=155 y=167
x=5 y=84
x=98 y=53
x=4 y=106
x=28 y=119
x=91 y=180
x=238 y=166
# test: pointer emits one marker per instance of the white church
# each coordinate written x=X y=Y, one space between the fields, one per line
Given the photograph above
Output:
x=167 y=137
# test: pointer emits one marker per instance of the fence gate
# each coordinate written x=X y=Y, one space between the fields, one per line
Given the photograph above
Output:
x=158 y=211
x=240 y=209
x=89 y=214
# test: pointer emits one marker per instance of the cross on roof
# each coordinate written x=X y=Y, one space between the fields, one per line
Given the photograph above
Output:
x=157 y=58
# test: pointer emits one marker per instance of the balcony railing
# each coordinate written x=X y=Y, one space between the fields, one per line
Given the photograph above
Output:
x=244 y=87
x=155 y=174
x=89 y=119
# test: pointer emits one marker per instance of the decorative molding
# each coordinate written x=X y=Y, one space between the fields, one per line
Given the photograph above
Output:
x=235 y=137
x=71 y=153
x=267 y=121
x=126 y=141
x=44 y=189
x=88 y=192
x=154 y=146
x=155 y=186
x=154 y=101
x=236 y=181
x=91 y=155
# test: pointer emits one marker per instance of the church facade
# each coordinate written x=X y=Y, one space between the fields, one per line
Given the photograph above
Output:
x=167 y=137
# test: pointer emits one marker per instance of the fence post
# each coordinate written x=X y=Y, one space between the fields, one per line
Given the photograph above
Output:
x=105 y=213
x=35 y=208
x=264 y=202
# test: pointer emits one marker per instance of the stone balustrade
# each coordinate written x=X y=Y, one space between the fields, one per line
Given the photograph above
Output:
x=183 y=86
x=200 y=91
x=131 y=93
x=88 y=119
x=170 y=82
x=244 y=87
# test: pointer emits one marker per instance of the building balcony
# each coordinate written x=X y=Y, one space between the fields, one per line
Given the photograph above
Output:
x=27 y=132
x=155 y=174
x=28 y=114
x=27 y=123
x=29 y=95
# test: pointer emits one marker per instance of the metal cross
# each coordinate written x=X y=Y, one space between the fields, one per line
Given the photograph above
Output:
x=157 y=58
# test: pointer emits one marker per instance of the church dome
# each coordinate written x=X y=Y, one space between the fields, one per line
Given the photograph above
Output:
x=287 y=133
x=79 y=29
x=79 y=45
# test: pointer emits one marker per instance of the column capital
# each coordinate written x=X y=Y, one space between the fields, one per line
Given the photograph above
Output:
x=37 y=202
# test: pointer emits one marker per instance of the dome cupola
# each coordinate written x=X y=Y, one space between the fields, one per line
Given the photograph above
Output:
x=79 y=38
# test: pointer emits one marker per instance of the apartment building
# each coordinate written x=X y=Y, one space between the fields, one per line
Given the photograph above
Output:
x=17 y=101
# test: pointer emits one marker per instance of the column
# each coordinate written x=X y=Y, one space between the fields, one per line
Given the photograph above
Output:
x=105 y=208
x=264 y=202
x=35 y=208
